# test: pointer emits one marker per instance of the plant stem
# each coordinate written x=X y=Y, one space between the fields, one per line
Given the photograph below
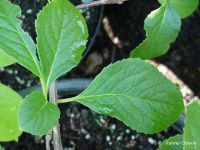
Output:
x=100 y=2
x=66 y=100
x=48 y=140
x=57 y=143
x=55 y=133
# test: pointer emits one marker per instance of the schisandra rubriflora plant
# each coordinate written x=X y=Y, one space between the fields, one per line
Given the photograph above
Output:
x=131 y=90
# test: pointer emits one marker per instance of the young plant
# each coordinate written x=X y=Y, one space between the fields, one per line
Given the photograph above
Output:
x=130 y=90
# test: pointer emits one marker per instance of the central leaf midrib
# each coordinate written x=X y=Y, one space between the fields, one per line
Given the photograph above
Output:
x=37 y=112
x=113 y=94
x=160 y=24
x=101 y=95
x=123 y=95
x=56 y=51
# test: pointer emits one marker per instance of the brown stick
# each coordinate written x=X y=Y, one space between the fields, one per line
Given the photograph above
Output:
x=100 y=2
x=48 y=138
x=57 y=143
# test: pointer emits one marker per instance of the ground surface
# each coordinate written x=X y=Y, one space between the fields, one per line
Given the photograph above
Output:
x=83 y=129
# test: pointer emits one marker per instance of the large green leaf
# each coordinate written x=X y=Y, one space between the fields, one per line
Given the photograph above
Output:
x=162 y=27
x=36 y=115
x=136 y=93
x=9 y=103
x=184 y=7
x=62 y=36
x=14 y=42
x=192 y=127
x=173 y=143
x=5 y=60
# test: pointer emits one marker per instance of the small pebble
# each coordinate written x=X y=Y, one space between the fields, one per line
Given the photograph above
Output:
x=72 y=115
x=87 y=137
x=128 y=131
x=16 y=72
x=113 y=126
x=119 y=138
x=132 y=137
x=29 y=11
x=83 y=131
x=20 y=81
x=42 y=141
x=151 y=141
x=107 y=138
x=110 y=143
x=102 y=120
x=10 y=71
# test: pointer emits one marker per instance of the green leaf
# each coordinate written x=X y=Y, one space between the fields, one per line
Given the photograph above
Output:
x=5 y=60
x=134 y=92
x=184 y=7
x=173 y=143
x=62 y=36
x=36 y=115
x=162 y=27
x=9 y=104
x=192 y=127
x=14 y=42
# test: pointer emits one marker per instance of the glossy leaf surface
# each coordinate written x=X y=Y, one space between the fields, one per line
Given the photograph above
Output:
x=5 y=60
x=36 y=115
x=14 y=42
x=134 y=92
x=62 y=36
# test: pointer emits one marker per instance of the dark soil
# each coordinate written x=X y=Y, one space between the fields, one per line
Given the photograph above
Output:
x=83 y=129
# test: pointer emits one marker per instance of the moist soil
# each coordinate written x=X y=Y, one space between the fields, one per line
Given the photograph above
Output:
x=82 y=128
